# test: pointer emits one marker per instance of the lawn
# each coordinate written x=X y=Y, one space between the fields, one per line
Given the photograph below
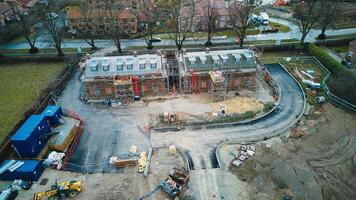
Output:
x=340 y=48
x=281 y=28
x=20 y=84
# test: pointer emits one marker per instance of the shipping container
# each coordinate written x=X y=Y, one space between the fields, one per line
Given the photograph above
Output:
x=31 y=170
x=53 y=114
x=31 y=137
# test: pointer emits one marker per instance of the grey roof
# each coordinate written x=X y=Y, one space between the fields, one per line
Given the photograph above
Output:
x=223 y=60
x=123 y=65
x=5 y=6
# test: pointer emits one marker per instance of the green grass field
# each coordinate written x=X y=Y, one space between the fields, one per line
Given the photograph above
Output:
x=281 y=28
x=20 y=84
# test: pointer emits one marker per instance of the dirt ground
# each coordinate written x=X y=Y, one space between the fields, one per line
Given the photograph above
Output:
x=130 y=185
x=200 y=107
x=315 y=162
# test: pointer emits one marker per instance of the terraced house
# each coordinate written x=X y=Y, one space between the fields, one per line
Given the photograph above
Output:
x=8 y=11
x=96 y=14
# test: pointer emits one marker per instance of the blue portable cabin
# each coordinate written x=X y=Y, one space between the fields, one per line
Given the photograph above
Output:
x=31 y=137
x=53 y=114
x=30 y=170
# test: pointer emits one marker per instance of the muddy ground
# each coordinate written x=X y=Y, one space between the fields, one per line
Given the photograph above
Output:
x=315 y=161
x=130 y=185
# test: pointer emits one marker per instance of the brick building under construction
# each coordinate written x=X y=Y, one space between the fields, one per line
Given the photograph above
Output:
x=122 y=77
x=134 y=76
x=216 y=72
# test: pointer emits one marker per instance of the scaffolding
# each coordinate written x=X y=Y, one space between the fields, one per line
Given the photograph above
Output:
x=123 y=86
x=218 y=85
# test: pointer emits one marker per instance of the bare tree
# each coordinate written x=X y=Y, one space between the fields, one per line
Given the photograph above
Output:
x=27 y=30
x=239 y=13
x=210 y=18
x=328 y=11
x=89 y=24
x=110 y=19
x=305 y=12
x=52 y=22
x=181 y=19
x=148 y=11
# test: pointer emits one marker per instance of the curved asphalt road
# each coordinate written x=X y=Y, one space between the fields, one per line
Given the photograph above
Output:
x=201 y=143
x=111 y=132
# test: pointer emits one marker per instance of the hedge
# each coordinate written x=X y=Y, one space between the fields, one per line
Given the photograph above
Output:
x=330 y=63
x=342 y=82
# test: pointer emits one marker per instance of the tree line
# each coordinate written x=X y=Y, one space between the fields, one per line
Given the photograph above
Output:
x=178 y=17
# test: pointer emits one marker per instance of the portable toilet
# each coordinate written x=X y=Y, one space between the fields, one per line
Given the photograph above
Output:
x=53 y=114
x=31 y=137
x=29 y=170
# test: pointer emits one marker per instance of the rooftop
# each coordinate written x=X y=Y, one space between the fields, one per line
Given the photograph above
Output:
x=27 y=128
x=223 y=60
x=124 y=65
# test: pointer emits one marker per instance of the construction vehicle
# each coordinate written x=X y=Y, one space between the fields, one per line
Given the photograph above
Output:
x=179 y=175
x=171 y=187
x=177 y=179
x=58 y=191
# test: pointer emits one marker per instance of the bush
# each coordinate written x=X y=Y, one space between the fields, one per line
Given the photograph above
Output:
x=321 y=37
x=330 y=63
x=268 y=106
x=33 y=50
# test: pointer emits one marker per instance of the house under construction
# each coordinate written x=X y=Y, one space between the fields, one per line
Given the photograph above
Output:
x=122 y=77
x=213 y=72
x=216 y=72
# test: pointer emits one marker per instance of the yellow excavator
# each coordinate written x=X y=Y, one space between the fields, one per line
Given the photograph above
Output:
x=60 y=190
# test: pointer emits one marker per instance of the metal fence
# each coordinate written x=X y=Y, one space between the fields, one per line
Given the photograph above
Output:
x=57 y=89
x=337 y=101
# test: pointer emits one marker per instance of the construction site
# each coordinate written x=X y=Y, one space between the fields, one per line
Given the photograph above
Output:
x=190 y=125
x=120 y=78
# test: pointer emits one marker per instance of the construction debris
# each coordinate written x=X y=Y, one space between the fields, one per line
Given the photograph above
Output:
x=320 y=99
x=133 y=149
x=169 y=118
x=120 y=163
x=179 y=175
x=245 y=152
x=54 y=160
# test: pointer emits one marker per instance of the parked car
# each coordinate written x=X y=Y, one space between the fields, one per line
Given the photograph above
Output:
x=155 y=39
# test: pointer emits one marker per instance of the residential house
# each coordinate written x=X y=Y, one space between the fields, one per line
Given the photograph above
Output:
x=126 y=20
x=201 y=15
x=8 y=11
